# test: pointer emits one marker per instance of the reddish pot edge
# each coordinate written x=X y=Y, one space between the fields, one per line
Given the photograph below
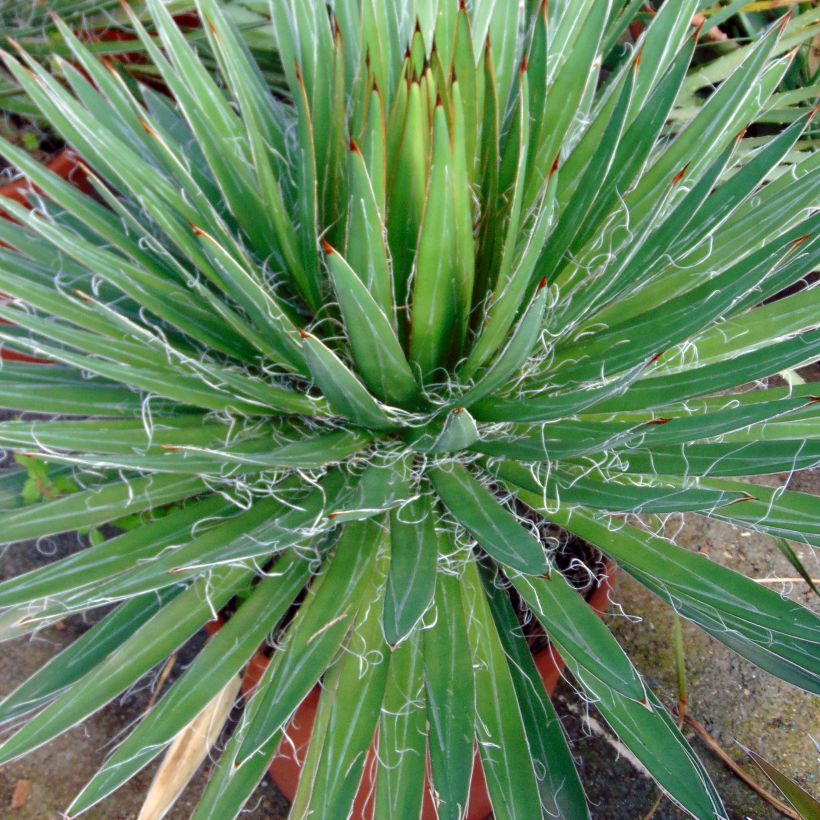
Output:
x=286 y=766
x=66 y=166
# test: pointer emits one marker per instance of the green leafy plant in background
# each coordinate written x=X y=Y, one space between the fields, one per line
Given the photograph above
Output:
x=105 y=29
x=727 y=29
x=459 y=274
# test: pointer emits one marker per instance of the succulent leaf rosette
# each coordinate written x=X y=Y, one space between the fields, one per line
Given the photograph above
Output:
x=338 y=351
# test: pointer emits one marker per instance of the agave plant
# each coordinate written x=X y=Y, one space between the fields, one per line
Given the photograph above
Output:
x=342 y=352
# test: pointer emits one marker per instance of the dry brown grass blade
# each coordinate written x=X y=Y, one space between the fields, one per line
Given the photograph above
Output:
x=163 y=677
x=714 y=746
x=186 y=753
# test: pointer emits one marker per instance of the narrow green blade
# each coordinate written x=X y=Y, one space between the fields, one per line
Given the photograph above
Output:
x=411 y=581
x=215 y=666
x=500 y=732
x=402 y=752
x=157 y=638
x=494 y=527
x=559 y=786
x=314 y=638
x=450 y=699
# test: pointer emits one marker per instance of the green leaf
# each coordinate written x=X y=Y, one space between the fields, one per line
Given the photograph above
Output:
x=180 y=387
x=638 y=339
x=495 y=529
x=802 y=801
x=726 y=111
x=534 y=406
x=248 y=456
x=576 y=438
x=794 y=560
x=214 y=667
x=118 y=435
x=63 y=671
x=645 y=494
x=80 y=572
x=269 y=526
x=633 y=147
x=376 y=349
x=519 y=347
x=31 y=492
x=147 y=281
x=579 y=635
x=743 y=459
x=574 y=46
x=97 y=505
x=407 y=184
x=231 y=785
x=698 y=381
x=65 y=391
x=382 y=487
x=575 y=212
x=756 y=328
x=664 y=36
x=508 y=284
x=776 y=634
x=436 y=312
x=366 y=252
x=500 y=733
x=652 y=736
x=355 y=698
x=158 y=637
x=449 y=433
x=269 y=316
x=217 y=128
x=783 y=514
x=450 y=698
x=412 y=578
x=559 y=786
x=314 y=638
x=402 y=751
x=342 y=388
x=265 y=129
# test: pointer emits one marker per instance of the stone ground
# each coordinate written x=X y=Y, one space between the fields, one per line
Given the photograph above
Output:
x=735 y=701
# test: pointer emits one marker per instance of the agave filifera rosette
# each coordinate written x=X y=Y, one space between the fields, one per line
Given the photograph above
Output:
x=327 y=339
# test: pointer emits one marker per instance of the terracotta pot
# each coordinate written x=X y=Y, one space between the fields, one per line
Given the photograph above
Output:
x=134 y=59
x=64 y=165
x=286 y=766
